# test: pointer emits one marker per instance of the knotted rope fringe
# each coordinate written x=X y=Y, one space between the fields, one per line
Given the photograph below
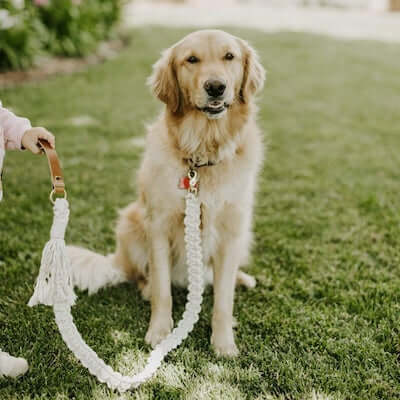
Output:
x=54 y=282
x=58 y=293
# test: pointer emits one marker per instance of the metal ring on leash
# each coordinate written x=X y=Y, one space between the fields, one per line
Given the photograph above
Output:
x=53 y=192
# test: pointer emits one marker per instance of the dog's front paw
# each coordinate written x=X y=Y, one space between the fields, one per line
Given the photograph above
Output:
x=224 y=346
x=158 y=330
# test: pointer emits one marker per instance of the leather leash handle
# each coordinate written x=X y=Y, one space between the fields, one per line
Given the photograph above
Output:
x=57 y=177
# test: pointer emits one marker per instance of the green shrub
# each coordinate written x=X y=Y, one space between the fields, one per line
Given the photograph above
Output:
x=20 y=32
x=60 y=27
x=76 y=26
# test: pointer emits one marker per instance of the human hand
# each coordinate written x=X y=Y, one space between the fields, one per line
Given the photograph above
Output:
x=31 y=137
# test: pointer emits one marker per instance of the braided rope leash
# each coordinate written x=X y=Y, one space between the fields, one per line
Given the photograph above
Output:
x=54 y=288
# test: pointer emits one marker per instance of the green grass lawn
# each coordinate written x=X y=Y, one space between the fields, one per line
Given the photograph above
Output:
x=324 y=317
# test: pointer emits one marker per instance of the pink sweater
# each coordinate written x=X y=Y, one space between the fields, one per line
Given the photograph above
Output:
x=12 y=128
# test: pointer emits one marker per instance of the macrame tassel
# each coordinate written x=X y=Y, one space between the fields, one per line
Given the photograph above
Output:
x=54 y=283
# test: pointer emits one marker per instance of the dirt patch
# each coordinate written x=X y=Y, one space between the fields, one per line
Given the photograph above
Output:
x=47 y=67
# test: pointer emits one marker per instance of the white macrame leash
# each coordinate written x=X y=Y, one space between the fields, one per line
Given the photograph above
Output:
x=54 y=287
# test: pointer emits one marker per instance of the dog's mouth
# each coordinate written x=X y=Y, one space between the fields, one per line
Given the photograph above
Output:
x=214 y=108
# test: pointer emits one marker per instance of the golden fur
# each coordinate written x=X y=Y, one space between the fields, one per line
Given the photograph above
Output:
x=150 y=245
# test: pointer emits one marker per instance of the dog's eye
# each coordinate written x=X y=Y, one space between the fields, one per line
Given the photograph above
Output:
x=193 y=60
x=229 y=56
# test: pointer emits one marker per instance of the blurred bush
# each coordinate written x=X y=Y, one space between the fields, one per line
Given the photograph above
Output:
x=19 y=34
x=29 y=28
x=76 y=26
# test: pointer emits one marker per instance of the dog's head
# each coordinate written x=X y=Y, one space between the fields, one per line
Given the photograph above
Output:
x=208 y=71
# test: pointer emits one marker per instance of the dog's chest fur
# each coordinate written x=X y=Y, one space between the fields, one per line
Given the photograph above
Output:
x=225 y=192
x=225 y=189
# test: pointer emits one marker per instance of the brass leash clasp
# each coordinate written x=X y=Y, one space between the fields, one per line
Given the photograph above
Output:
x=53 y=193
x=193 y=180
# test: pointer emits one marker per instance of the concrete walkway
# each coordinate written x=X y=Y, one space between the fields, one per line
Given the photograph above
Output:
x=355 y=24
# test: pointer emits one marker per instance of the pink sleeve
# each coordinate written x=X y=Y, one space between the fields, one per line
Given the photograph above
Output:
x=13 y=128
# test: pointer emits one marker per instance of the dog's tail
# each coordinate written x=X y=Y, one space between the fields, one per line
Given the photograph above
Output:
x=92 y=271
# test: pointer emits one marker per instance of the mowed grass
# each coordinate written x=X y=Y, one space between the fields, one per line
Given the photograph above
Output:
x=324 y=317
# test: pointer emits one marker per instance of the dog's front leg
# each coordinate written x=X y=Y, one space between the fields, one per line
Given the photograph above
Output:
x=160 y=283
x=225 y=270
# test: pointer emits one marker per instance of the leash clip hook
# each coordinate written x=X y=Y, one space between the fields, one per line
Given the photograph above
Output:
x=193 y=180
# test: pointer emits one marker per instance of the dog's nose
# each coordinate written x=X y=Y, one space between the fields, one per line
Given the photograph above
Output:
x=214 y=87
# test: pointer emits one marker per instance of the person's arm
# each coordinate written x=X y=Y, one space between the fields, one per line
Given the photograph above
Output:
x=19 y=134
x=14 y=129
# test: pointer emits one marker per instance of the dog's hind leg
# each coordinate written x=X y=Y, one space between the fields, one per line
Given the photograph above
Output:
x=132 y=253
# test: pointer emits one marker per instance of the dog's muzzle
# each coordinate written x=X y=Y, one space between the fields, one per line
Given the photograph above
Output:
x=216 y=106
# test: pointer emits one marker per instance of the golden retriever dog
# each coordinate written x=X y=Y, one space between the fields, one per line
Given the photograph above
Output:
x=208 y=82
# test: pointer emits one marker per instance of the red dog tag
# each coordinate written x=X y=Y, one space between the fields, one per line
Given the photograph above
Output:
x=184 y=183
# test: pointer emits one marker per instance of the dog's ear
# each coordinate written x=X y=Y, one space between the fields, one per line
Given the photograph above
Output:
x=164 y=83
x=253 y=72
